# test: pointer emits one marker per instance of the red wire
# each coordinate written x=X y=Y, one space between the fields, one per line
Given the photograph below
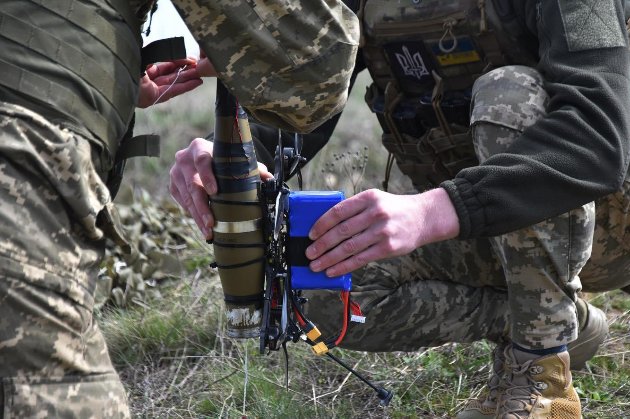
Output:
x=345 y=297
x=299 y=318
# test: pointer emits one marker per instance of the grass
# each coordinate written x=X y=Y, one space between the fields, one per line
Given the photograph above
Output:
x=176 y=362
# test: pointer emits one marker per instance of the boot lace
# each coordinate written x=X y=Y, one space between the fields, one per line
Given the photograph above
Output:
x=520 y=388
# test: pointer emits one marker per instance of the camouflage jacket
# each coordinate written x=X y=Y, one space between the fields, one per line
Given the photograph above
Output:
x=575 y=154
x=579 y=151
x=287 y=61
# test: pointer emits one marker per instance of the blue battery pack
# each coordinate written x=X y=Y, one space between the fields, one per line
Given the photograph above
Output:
x=304 y=208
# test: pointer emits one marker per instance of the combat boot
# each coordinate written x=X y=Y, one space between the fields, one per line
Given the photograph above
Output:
x=593 y=331
x=486 y=406
x=537 y=387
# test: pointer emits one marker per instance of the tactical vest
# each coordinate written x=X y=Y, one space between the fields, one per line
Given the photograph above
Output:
x=424 y=56
x=77 y=61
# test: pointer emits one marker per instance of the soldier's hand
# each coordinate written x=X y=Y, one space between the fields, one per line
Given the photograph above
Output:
x=192 y=182
x=204 y=66
x=166 y=80
x=374 y=225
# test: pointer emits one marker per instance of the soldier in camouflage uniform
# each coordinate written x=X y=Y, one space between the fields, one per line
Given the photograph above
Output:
x=70 y=80
x=521 y=156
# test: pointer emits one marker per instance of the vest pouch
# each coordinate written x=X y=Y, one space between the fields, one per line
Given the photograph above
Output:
x=455 y=106
x=409 y=42
x=452 y=152
x=418 y=167
x=434 y=157
x=407 y=47
x=405 y=115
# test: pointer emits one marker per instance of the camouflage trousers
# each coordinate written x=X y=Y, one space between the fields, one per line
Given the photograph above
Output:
x=53 y=359
x=520 y=286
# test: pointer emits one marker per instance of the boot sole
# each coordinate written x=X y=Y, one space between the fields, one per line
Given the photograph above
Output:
x=589 y=340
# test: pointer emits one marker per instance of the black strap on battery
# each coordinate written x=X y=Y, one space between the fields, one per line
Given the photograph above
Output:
x=296 y=251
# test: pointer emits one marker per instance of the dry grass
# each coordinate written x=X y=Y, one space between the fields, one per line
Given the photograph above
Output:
x=176 y=362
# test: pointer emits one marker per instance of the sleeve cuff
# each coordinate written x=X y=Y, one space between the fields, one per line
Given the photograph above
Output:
x=469 y=211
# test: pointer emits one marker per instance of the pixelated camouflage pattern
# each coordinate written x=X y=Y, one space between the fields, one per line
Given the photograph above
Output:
x=53 y=358
x=443 y=292
x=288 y=62
x=456 y=291
x=541 y=263
x=609 y=265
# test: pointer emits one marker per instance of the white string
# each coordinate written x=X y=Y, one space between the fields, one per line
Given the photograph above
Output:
x=172 y=84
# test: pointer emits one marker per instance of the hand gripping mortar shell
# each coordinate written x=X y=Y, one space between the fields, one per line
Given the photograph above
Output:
x=260 y=236
x=239 y=247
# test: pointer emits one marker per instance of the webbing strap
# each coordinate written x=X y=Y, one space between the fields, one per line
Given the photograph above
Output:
x=66 y=55
x=138 y=146
x=123 y=7
x=65 y=100
x=167 y=49
x=84 y=17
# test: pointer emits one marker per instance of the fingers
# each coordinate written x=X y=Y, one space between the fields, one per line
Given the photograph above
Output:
x=169 y=73
x=351 y=234
x=265 y=174
x=350 y=254
x=188 y=61
x=198 y=159
x=339 y=234
x=205 y=68
x=148 y=92
x=337 y=214
x=354 y=262
x=165 y=81
x=170 y=91
x=346 y=227
x=192 y=197
x=168 y=67
x=192 y=181
x=176 y=76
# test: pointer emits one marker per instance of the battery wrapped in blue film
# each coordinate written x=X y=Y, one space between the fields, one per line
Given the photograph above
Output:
x=304 y=208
